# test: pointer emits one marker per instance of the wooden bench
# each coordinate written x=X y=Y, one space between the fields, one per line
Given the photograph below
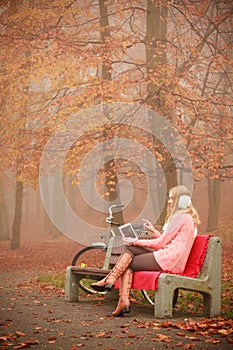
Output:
x=165 y=285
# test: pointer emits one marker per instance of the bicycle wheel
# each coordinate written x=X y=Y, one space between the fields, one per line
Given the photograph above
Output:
x=149 y=296
x=91 y=256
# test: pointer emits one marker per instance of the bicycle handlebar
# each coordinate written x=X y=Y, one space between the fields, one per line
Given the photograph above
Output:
x=116 y=206
x=113 y=207
x=109 y=219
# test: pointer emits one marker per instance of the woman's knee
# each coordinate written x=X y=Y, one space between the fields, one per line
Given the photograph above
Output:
x=129 y=251
x=137 y=250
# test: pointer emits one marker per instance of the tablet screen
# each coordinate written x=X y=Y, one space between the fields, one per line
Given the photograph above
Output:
x=128 y=231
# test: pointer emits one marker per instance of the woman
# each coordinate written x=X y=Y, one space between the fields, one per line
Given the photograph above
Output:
x=167 y=251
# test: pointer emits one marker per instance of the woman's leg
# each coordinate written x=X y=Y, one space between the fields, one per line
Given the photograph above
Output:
x=121 y=266
x=123 y=305
x=143 y=259
x=137 y=258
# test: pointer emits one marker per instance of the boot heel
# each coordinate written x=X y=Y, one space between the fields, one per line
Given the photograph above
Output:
x=98 y=288
x=109 y=287
x=125 y=310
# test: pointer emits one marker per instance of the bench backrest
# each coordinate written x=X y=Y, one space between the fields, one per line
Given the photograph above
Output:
x=213 y=260
x=205 y=253
x=197 y=256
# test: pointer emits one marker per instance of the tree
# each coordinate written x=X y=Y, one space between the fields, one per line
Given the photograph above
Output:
x=4 y=231
x=179 y=76
x=106 y=67
x=207 y=107
x=156 y=63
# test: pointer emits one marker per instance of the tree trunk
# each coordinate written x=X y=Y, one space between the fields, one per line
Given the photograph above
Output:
x=58 y=208
x=156 y=58
x=111 y=176
x=105 y=33
x=111 y=184
x=214 y=195
x=4 y=229
x=15 y=241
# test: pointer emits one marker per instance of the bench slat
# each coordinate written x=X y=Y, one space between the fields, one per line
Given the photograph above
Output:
x=89 y=271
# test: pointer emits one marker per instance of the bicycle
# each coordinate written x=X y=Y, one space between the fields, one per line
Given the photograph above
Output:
x=93 y=256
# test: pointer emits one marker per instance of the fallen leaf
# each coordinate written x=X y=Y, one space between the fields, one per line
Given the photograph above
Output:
x=52 y=338
x=20 y=334
x=192 y=338
x=132 y=335
x=101 y=334
x=21 y=346
x=188 y=346
x=162 y=337
x=178 y=344
x=225 y=331
x=213 y=341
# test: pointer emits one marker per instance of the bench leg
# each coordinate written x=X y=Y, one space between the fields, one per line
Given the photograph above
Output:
x=215 y=304
x=163 y=302
x=212 y=303
x=71 y=286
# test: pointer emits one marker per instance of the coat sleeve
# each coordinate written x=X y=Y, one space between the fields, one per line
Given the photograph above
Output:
x=156 y=234
x=173 y=228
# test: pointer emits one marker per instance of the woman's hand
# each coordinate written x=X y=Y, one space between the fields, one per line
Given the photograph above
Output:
x=148 y=226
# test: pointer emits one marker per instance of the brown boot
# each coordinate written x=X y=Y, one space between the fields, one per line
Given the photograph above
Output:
x=123 y=306
x=109 y=281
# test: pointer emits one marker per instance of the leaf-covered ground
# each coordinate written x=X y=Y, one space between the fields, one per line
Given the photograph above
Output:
x=34 y=314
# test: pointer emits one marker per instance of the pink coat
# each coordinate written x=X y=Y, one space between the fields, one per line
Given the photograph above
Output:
x=172 y=248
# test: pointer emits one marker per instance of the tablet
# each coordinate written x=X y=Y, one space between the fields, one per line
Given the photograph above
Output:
x=127 y=231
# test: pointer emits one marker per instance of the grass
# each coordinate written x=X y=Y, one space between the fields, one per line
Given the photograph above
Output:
x=56 y=280
x=190 y=302
x=227 y=298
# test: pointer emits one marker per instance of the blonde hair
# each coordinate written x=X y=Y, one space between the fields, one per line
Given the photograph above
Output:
x=176 y=193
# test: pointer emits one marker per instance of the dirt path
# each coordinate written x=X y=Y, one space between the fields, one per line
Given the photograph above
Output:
x=39 y=318
x=36 y=317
